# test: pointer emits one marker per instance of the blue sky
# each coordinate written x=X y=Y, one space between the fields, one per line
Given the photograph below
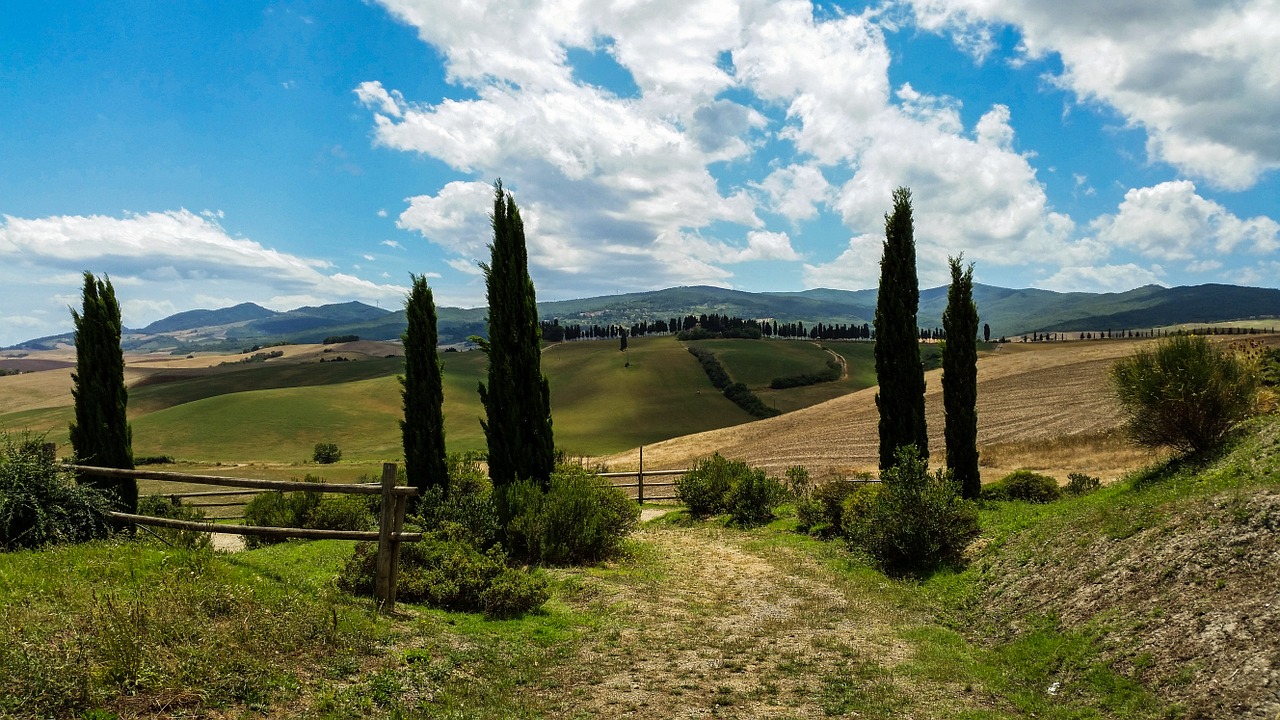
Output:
x=204 y=154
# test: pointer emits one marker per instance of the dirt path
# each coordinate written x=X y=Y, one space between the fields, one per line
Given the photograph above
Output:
x=844 y=364
x=722 y=626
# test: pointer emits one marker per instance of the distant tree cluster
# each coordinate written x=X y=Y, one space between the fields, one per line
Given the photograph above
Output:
x=820 y=331
x=737 y=392
x=335 y=339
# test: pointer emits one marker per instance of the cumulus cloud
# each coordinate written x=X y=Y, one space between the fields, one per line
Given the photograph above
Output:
x=857 y=267
x=1102 y=278
x=613 y=188
x=796 y=191
x=159 y=262
x=1171 y=221
x=1198 y=76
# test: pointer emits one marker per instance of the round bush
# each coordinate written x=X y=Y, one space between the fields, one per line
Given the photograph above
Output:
x=705 y=488
x=579 y=518
x=1186 y=393
x=915 y=520
x=445 y=570
x=1023 y=485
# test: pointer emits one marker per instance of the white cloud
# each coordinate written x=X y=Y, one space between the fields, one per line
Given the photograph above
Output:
x=1199 y=76
x=392 y=244
x=467 y=267
x=1170 y=221
x=382 y=212
x=456 y=218
x=368 y=258
x=796 y=191
x=1103 y=278
x=622 y=193
x=158 y=262
x=857 y=267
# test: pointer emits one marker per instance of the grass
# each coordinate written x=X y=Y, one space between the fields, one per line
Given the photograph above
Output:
x=603 y=401
x=696 y=618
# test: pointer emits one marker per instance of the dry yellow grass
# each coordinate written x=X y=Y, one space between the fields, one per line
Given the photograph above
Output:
x=1042 y=406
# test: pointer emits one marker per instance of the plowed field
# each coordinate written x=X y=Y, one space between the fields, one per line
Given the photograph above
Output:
x=1041 y=406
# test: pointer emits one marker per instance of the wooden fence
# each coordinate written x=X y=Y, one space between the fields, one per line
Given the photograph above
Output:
x=389 y=535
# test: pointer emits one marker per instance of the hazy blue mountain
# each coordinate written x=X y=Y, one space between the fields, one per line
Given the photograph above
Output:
x=193 y=319
x=1009 y=312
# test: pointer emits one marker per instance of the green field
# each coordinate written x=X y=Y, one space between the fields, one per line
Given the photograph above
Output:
x=603 y=401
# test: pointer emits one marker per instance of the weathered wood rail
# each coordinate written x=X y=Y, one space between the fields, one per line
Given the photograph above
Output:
x=389 y=535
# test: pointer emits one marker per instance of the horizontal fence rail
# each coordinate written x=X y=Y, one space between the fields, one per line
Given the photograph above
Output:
x=262 y=531
x=389 y=535
x=283 y=485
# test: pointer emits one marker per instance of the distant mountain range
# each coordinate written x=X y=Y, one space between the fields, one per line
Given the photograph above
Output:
x=1008 y=312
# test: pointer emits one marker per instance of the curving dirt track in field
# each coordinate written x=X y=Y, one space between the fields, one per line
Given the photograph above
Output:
x=1026 y=393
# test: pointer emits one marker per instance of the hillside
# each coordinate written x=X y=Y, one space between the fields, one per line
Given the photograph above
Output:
x=1009 y=312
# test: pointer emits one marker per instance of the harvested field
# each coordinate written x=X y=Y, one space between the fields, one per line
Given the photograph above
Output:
x=1042 y=406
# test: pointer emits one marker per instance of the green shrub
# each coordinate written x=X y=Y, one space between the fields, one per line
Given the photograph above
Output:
x=468 y=503
x=753 y=497
x=856 y=509
x=326 y=453
x=1186 y=394
x=445 y=570
x=799 y=483
x=344 y=512
x=822 y=512
x=162 y=506
x=309 y=509
x=1081 y=484
x=1023 y=485
x=915 y=520
x=580 y=518
x=705 y=488
x=41 y=502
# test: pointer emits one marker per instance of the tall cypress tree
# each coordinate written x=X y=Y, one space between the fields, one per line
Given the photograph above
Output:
x=422 y=389
x=100 y=433
x=517 y=399
x=899 y=370
x=960 y=379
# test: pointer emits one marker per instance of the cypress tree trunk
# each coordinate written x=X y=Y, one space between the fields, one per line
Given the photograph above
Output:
x=899 y=370
x=422 y=389
x=517 y=399
x=960 y=379
x=100 y=433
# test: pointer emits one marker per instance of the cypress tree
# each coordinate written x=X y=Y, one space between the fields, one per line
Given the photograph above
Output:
x=960 y=379
x=422 y=389
x=517 y=399
x=100 y=433
x=899 y=370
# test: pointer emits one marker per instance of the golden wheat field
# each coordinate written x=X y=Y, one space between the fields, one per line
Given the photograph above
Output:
x=1042 y=406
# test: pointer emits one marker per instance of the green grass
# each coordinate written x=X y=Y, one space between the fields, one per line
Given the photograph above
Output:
x=603 y=401
x=757 y=362
x=126 y=626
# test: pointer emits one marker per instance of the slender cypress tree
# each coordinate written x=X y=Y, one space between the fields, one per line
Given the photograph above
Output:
x=422 y=389
x=100 y=433
x=899 y=370
x=517 y=399
x=960 y=379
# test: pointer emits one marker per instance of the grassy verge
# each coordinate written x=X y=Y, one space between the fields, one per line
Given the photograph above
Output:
x=1060 y=613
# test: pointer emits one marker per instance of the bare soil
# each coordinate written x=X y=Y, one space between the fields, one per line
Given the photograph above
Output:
x=1029 y=395
x=1190 y=605
x=724 y=628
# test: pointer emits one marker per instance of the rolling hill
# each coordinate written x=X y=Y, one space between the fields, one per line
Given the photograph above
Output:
x=1009 y=312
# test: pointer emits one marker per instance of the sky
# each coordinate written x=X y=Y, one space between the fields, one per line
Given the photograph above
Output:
x=203 y=154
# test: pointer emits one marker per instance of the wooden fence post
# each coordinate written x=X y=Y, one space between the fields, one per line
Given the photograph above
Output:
x=640 y=479
x=384 y=577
